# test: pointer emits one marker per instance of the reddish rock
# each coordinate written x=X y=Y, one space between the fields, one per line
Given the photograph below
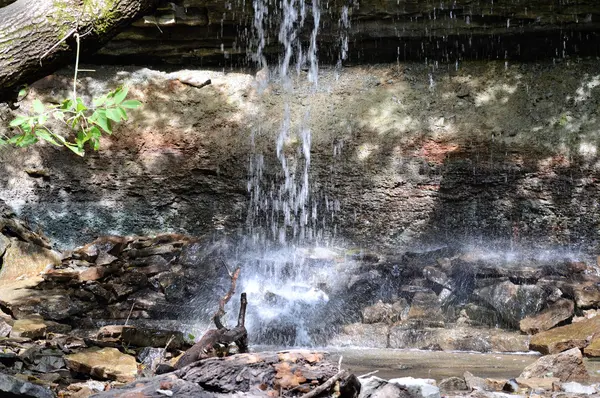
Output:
x=92 y=274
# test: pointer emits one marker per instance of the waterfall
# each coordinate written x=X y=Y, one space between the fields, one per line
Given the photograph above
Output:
x=282 y=269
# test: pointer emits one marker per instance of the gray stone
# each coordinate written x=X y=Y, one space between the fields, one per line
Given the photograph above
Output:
x=453 y=384
x=19 y=388
x=375 y=387
x=514 y=302
x=474 y=382
x=577 y=388
x=5 y=328
x=420 y=388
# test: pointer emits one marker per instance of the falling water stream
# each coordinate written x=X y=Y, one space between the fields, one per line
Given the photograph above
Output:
x=282 y=268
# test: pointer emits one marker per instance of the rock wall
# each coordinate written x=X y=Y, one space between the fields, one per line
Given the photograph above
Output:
x=401 y=155
x=221 y=32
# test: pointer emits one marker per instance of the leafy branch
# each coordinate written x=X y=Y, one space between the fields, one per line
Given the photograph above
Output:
x=86 y=123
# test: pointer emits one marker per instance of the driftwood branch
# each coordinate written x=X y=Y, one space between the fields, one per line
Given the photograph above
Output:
x=214 y=339
x=325 y=386
x=225 y=299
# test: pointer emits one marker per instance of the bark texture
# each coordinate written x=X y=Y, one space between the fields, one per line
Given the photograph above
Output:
x=31 y=30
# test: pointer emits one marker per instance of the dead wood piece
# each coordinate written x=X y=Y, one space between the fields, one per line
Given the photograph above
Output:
x=327 y=385
x=225 y=299
x=213 y=338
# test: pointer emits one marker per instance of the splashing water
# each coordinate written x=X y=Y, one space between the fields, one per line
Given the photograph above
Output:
x=281 y=278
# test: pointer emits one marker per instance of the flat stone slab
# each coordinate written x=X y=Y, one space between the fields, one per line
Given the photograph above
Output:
x=562 y=338
x=106 y=364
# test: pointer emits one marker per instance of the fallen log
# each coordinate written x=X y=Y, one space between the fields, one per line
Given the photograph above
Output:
x=263 y=374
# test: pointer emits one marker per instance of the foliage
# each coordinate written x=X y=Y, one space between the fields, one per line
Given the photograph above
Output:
x=86 y=123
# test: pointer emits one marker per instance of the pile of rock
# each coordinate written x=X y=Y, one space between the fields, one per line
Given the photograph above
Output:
x=469 y=301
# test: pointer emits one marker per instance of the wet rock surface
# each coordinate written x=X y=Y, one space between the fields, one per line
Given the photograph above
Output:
x=51 y=342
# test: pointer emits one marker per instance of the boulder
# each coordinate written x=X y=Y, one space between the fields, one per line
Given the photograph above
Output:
x=554 y=314
x=375 y=387
x=419 y=388
x=567 y=366
x=378 y=312
x=585 y=290
x=538 y=383
x=29 y=328
x=426 y=306
x=438 y=277
x=513 y=302
x=562 y=338
x=23 y=259
x=453 y=384
x=11 y=386
x=593 y=349
x=474 y=382
x=103 y=363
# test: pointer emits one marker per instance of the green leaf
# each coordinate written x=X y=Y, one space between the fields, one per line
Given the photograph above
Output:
x=99 y=118
x=80 y=105
x=113 y=114
x=131 y=104
x=42 y=119
x=67 y=104
x=46 y=136
x=123 y=113
x=82 y=138
x=15 y=138
x=22 y=93
x=95 y=132
x=3 y=141
x=26 y=140
x=77 y=150
x=38 y=107
x=18 y=121
x=95 y=144
x=99 y=101
x=58 y=115
x=120 y=94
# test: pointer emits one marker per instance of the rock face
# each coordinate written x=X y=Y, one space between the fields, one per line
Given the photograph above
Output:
x=419 y=182
x=204 y=31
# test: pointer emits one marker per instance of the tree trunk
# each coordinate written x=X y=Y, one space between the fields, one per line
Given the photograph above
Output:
x=32 y=30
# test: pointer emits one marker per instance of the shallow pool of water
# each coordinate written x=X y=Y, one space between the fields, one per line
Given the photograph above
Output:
x=438 y=364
